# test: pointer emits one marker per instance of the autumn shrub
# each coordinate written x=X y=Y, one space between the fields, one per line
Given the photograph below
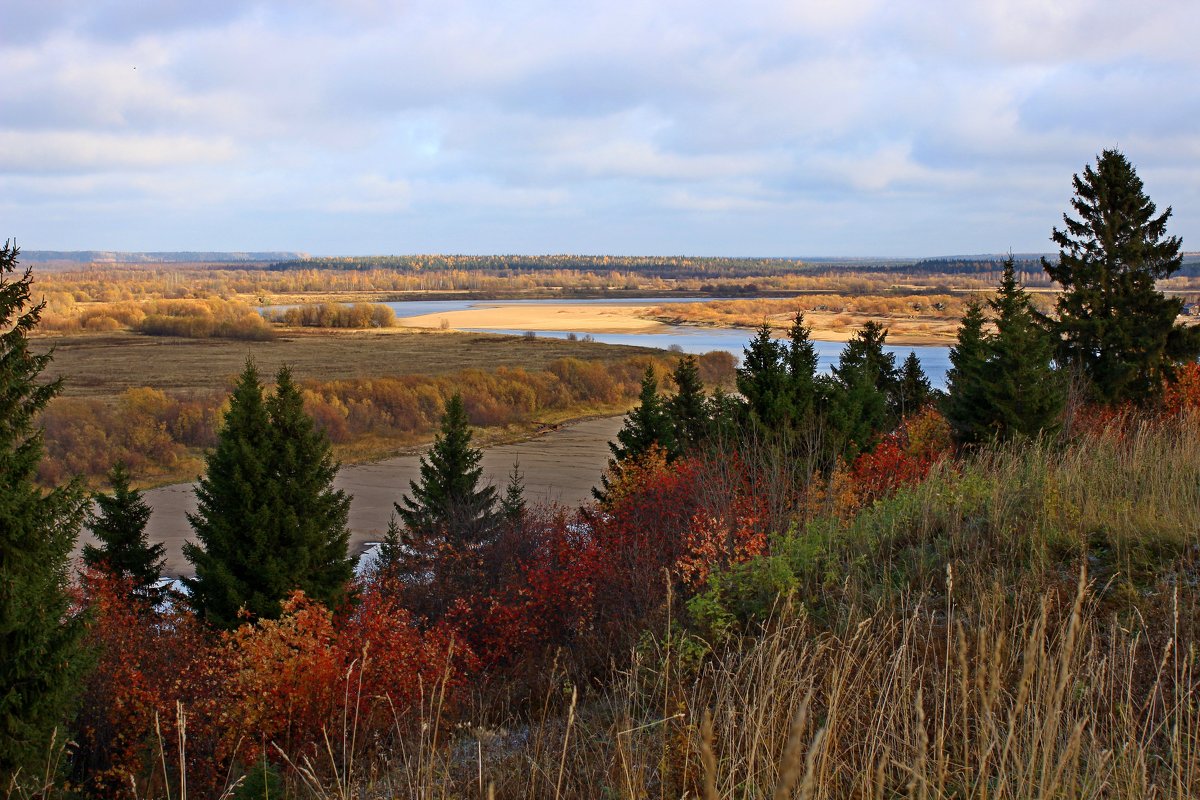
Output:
x=337 y=315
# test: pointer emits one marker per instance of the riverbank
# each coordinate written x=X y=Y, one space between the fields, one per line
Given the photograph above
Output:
x=633 y=319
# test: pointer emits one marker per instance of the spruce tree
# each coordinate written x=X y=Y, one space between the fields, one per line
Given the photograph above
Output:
x=1113 y=324
x=864 y=353
x=856 y=410
x=268 y=521
x=1023 y=395
x=118 y=521
x=449 y=515
x=310 y=516
x=913 y=389
x=686 y=410
x=40 y=657
x=237 y=564
x=512 y=504
x=762 y=379
x=646 y=426
x=965 y=404
x=801 y=360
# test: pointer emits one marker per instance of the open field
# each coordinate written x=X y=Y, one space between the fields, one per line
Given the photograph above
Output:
x=560 y=466
x=104 y=365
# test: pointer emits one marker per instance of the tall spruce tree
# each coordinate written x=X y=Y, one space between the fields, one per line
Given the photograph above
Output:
x=449 y=514
x=864 y=353
x=1113 y=323
x=1023 y=395
x=40 y=657
x=268 y=520
x=762 y=379
x=687 y=409
x=965 y=405
x=118 y=521
x=237 y=566
x=310 y=516
x=913 y=390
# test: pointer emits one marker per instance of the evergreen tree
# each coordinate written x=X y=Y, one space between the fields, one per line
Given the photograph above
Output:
x=268 y=519
x=864 y=353
x=1023 y=394
x=856 y=411
x=686 y=410
x=965 y=404
x=40 y=658
x=801 y=361
x=310 y=516
x=449 y=516
x=763 y=379
x=237 y=565
x=913 y=389
x=1113 y=323
x=648 y=424
x=512 y=504
x=119 y=523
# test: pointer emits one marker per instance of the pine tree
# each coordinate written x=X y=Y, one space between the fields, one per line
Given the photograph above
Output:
x=801 y=361
x=236 y=564
x=1023 y=395
x=310 y=516
x=965 y=404
x=119 y=523
x=913 y=389
x=268 y=519
x=40 y=658
x=647 y=425
x=763 y=379
x=1113 y=323
x=686 y=410
x=449 y=516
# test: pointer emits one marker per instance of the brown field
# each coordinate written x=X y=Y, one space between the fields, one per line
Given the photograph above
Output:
x=104 y=365
x=559 y=466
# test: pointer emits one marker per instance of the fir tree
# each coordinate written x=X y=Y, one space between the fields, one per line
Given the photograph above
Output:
x=1113 y=323
x=687 y=412
x=864 y=354
x=647 y=425
x=268 y=519
x=40 y=658
x=512 y=504
x=118 y=522
x=1023 y=394
x=310 y=516
x=913 y=389
x=763 y=379
x=237 y=565
x=449 y=515
x=965 y=404
x=856 y=411
x=801 y=360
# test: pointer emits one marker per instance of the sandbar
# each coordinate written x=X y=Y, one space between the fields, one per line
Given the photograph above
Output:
x=582 y=317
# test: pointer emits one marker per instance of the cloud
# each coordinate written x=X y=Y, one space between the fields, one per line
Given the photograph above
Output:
x=763 y=126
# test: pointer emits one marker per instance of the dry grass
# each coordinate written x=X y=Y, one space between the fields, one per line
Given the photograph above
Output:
x=104 y=365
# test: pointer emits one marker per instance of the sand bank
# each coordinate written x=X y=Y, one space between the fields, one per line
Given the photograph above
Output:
x=582 y=317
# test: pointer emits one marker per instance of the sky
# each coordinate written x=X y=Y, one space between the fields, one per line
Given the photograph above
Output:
x=657 y=127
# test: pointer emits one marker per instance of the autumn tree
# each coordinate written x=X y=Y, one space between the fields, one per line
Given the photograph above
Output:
x=118 y=521
x=647 y=426
x=1113 y=324
x=40 y=657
